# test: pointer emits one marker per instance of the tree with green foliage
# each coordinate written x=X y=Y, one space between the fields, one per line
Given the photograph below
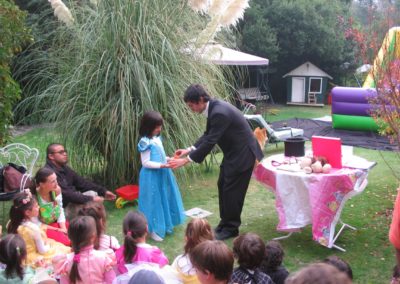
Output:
x=14 y=34
x=119 y=59
x=293 y=32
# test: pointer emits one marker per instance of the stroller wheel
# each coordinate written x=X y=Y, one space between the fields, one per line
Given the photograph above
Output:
x=119 y=203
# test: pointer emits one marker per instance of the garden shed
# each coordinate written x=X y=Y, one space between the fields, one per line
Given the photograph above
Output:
x=306 y=85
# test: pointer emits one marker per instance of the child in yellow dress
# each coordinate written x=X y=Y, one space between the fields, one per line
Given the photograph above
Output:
x=197 y=231
x=24 y=221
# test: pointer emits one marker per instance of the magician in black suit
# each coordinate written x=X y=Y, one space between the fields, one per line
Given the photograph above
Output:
x=226 y=127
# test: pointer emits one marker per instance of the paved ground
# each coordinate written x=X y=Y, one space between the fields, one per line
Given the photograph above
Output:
x=22 y=129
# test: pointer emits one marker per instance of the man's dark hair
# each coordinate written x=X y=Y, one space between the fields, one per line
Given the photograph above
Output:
x=50 y=148
x=150 y=121
x=194 y=92
x=249 y=249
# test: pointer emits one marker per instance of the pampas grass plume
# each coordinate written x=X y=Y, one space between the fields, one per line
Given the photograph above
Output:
x=198 y=5
x=62 y=12
x=217 y=7
x=234 y=12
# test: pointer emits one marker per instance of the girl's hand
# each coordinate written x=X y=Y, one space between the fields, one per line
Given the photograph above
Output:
x=177 y=163
x=63 y=228
x=163 y=166
x=39 y=262
x=57 y=190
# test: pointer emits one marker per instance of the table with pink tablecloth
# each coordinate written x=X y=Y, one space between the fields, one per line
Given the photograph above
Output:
x=317 y=199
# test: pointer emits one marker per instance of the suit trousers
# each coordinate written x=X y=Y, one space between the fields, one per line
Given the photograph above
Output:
x=231 y=193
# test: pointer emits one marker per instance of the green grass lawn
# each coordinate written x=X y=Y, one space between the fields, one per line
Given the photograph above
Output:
x=282 y=112
x=368 y=249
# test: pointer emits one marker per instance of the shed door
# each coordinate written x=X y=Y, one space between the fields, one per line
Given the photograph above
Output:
x=298 y=85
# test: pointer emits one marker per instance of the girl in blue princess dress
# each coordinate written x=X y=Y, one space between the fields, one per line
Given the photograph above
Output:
x=159 y=197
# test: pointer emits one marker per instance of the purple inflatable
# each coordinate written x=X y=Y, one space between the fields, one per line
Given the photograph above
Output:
x=352 y=95
x=351 y=108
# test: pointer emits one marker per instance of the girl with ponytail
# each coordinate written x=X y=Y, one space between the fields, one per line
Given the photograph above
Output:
x=135 y=248
x=13 y=255
x=85 y=264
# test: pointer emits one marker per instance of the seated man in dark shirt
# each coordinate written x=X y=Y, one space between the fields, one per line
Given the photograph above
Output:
x=75 y=189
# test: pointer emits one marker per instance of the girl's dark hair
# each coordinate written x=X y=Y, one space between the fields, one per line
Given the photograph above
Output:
x=149 y=122
x=12 y=254
x=98 y=212
x=21 y=203
x=340 y=264
x=194 y=92
x=81 y=231
x=41 y=176
x=249 y=249
x=273 y=256
x=134 y=227
x=198 y=230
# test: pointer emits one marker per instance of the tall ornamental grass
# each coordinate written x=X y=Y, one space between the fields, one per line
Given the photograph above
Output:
x=118 y=59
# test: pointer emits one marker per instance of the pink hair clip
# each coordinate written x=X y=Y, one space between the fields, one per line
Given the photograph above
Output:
x=28 y=192
x=129 y=233
x=77 y=258
x=28 y=197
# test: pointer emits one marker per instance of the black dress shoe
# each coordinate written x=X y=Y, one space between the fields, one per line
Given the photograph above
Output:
x=217 y=229
x=224 y=234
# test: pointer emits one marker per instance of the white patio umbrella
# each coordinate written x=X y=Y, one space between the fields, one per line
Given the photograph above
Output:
x=221 y=55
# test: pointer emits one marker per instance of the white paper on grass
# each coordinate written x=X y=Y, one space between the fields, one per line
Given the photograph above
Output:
x=197 y=213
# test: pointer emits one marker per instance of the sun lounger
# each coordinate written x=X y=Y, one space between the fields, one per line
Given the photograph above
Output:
x=274 y=135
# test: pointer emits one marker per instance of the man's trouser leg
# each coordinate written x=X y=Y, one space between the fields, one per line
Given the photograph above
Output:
x=231 y=193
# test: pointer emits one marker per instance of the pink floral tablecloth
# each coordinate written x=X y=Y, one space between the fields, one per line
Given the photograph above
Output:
x=317 y=199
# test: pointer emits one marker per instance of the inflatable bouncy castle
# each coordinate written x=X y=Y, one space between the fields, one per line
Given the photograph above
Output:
x=350 y=106
x=351 y=110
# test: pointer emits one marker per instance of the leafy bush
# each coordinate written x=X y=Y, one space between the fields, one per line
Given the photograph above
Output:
x=14 y=34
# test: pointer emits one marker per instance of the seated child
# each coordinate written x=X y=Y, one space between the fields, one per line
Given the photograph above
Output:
x=318 y=273
x=145 y=276
x=272 y=263
x=395 y=275
x=166 y=273
x=340 y=264
x=98 y=212
x=85 y=264
x=40 y=249
x=135 y=248
x=12 y=255
x=213 y=261
x=249 y=250
x=197 y=231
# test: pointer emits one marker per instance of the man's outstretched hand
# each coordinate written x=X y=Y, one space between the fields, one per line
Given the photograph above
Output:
x=181 y=153
x=109 y=195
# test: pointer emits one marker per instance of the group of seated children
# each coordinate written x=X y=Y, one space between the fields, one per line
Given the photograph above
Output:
x=28 y=254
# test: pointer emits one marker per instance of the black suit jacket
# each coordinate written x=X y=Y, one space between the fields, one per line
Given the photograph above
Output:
x=227 y=127
x=72 y=185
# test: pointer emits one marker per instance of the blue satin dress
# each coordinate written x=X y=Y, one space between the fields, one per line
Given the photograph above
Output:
x=159 y=197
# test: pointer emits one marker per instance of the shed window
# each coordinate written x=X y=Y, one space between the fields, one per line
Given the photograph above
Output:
x=315 y=85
